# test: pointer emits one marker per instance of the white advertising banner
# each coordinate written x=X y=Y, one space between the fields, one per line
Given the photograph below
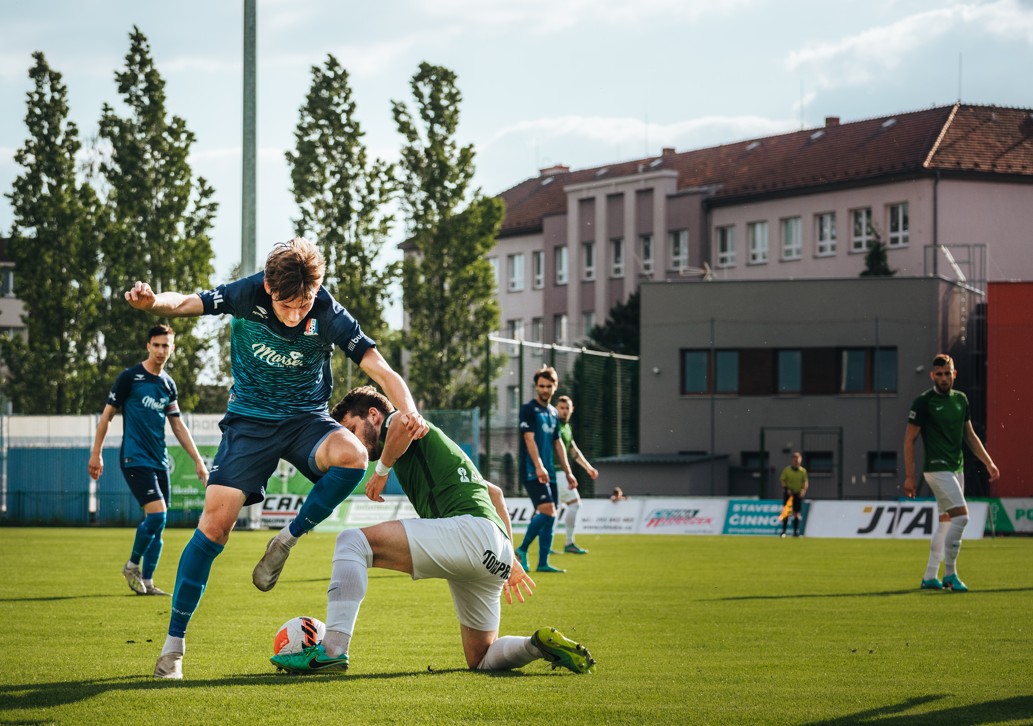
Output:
x=885 y=519
x=682 y=516
x=601 y=516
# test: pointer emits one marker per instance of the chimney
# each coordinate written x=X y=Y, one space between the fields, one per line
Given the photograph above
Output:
x=554 y=169
x=831 y=121
x=668 y=151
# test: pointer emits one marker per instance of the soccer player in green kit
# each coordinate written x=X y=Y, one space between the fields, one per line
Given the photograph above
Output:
x=463 y=536
x=941 y=416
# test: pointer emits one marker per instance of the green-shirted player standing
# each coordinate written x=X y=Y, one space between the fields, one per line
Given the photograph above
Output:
x=941 y=416
x=463 y=536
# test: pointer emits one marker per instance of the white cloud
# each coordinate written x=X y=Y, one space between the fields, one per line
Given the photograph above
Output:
x=856 y=59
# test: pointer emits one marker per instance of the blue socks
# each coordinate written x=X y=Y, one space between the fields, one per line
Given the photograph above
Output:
x=148 y=544
x=545 y=540
x=195 y=565
x=533 y=528
x=331 y=489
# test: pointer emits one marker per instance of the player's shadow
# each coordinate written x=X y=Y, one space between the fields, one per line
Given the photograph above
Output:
x=56 y=598
x=50 y=695
x=878 y=593
x=1014 y=709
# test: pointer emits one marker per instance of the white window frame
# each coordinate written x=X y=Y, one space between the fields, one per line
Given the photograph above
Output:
x=515 y=272
x=861 y=240
x=899 y=226
x=617 y=257
x=725 y=246
x=679 y=249
x=560 y=328
x=825 y=234
x=538 y=269
x=537 y=331
x=588 y=260
x=515 y=329
x=792 y=238
x=757 y=233
x=645 y=250
x=587 y=322
x=562 y=268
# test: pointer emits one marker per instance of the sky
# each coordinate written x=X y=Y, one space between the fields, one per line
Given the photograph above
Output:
x=577 y=82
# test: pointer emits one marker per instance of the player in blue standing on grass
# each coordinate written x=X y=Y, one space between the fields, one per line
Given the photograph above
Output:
x=462 y=535
x=941 y=417
x=285 y=327
x=540 y=447
x=147 y=397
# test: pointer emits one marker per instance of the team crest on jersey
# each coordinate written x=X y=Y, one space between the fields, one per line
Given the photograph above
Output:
x=312 y=327
x=138 y=377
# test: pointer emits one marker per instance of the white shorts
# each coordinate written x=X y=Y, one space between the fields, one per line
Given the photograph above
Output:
x=471 y=553
x=948 y=488
x=567 y=495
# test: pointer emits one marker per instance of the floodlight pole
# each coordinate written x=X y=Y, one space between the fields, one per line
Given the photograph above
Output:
x=248 y=200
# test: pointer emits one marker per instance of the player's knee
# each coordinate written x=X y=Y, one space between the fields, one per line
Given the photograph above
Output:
x=347 y=451
x=352 y=545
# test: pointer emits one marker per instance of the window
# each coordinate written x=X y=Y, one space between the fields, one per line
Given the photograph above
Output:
x=513 y=398
x=515 y=329
x=588 y=259
x=617 y=257
x=757 y=233
x=792 y=238
x=826 y=234
x=559 y=328
x=494 y=261
x=754 y=459
x=885 y=370
x=560 y=257
x=789 y=371
x=538 y=270
x=515 y=265
x=882 y=463
x=851 y=371
x=694 y=371
x=726 y=363
x=679 y=249
x=818 y=461
x=868 y=370
x=537 y=330
x=863 y=234
x=587 y=322
x=898 y=225
x=645 y=253
x=726 y=246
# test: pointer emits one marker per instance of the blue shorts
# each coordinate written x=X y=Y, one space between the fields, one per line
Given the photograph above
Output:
x=541 y=493
x=251 y=450
x=147 y=485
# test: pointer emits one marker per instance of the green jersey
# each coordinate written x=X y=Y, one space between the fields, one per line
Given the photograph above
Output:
x=440 y=480
x=942 y=420
x=794 y=479
x=566 y=435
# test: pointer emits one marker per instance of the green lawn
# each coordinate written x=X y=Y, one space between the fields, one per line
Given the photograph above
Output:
x=685 y=630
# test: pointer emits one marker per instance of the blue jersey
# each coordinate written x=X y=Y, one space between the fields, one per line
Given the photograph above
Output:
x=278 y=371
x=544 y=423
x=145 y=400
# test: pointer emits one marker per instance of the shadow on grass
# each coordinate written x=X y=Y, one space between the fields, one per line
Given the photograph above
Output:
x=879 y=593
x=56 y=598
x=1017 y=708
x=50 y=695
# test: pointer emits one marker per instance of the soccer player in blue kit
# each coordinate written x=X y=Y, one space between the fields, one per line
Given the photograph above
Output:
x=284 y=329
x=147 y=397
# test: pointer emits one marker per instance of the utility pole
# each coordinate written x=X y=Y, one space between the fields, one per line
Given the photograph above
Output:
x=248 y=214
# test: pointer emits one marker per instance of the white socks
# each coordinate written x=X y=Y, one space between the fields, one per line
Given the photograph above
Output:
x=936 y=550
x=953 y=543
x=508 y=652
x=570 y=520
x=285 y=536
x=174 y=645
x=349 y=580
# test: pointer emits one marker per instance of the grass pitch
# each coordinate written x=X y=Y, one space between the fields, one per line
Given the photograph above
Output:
x=686 y=630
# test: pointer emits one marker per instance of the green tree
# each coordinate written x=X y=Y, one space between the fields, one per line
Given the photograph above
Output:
x=876 y=263
x=344 y=200
x=448 y=284
x=54 y=245
x=160 y=218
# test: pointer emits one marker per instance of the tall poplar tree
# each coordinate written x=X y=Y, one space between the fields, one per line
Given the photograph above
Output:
x=160 y=217
x=447 y=282
x=343 y=198
x=54 y=245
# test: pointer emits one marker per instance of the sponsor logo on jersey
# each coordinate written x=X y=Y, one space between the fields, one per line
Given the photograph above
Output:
x=353 y=342
x=216 y=297
x=312 y=327
x=260 y=312
x=139 y=377
x=264 y=353
x=494 y=565
x=154 y=404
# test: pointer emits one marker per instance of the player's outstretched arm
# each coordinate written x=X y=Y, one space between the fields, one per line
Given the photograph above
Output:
x=185 y=440
x=165 y=304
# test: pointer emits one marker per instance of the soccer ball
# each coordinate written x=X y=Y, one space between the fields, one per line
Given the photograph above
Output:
x=297 y=634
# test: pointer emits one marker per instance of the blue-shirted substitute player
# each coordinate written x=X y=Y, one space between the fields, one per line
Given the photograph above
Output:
x=285 y=327
x=147 y=397
x=540 y=448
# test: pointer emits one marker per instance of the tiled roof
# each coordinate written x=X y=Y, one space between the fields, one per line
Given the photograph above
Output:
x=950 y=139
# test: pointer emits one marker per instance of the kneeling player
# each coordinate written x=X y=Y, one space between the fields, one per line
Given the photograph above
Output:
x=463 y=536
